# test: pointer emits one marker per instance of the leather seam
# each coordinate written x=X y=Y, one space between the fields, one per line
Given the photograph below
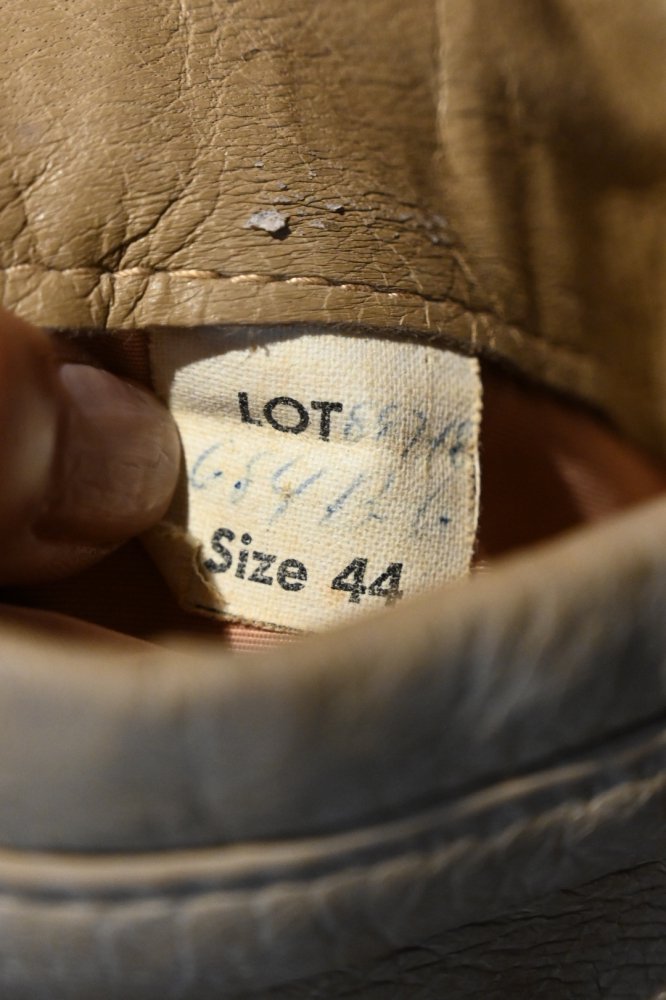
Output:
x=646 y=788
x=644 y=770
x=555 y=349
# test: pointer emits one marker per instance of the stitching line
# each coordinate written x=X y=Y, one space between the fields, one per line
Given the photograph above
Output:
x=249 y=278
x=550 y=347
x=643 y=791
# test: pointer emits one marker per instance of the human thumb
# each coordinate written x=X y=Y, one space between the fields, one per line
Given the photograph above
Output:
x=87 y=459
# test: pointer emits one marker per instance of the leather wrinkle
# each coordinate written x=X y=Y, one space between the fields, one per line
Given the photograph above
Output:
x=387 y=844
x=592 y=938
x=506 y=687
x=487 y=173
x=553 y=347
x=368 y=170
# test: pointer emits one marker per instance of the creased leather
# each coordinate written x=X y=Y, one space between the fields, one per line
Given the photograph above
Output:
x=479 y=680
x=365 y=909
x=466 y=798
x=482 y=172
x=603 y=939
x=516 y=749
x=555 y=135
x=197 y=117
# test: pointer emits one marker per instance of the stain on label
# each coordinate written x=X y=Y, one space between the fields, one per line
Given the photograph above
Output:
x=326 y=474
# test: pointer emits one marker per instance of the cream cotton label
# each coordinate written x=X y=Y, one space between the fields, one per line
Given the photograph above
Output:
x=326 y=474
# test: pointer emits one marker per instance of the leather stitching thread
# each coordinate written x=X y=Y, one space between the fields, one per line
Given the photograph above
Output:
x=556 y=350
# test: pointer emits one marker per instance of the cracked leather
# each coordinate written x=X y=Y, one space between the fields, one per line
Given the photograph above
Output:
x=603 y=939
x=484 y=173
x=464 y=798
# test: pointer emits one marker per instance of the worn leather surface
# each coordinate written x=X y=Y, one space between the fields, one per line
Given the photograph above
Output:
x=464 y=798
x=311 y=919
x=601 y=940
x=477 y=681
x=131 y=172
x=189 y=825
x=554 y=131
x=486 y=173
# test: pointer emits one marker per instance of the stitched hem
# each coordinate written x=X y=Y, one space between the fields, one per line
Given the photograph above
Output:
x=331 y=855
x=140 y=298
x=125 y=299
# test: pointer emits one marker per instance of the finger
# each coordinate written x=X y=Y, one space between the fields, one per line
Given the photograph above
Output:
x=87 y=459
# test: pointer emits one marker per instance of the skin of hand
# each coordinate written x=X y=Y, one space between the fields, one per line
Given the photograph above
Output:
x=87 y=459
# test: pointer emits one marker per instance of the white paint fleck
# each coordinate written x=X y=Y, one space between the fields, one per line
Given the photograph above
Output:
x=268 y=220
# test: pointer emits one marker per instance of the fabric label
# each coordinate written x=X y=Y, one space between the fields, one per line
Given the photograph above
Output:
x=327 y=474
